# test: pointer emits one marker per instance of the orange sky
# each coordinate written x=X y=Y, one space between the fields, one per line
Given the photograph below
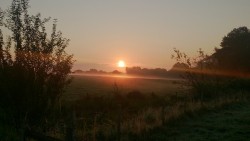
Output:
x=140 y=32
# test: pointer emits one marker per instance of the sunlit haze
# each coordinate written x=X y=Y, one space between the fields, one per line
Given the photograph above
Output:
x=142 y=31
x=121 y=64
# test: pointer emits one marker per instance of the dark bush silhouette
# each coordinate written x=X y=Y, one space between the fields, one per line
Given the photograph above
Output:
x=116 y=72
x=194 y=73
x=33 y=77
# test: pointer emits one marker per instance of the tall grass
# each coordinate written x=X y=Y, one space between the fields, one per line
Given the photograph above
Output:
x=105 y=120
x=126 y=116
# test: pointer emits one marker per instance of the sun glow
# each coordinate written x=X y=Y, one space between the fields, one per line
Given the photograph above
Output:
x=121 y=64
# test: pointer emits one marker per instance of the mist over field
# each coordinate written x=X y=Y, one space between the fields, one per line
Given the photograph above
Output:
x=102 y=84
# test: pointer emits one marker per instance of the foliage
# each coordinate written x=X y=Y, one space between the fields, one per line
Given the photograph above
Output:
x=34 y=66
x=198 y=73
x=234 y=53
x=209 y=75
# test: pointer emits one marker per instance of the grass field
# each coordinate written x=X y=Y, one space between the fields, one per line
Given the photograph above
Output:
x=144 y=109
x=102 y=85
x=159 y=109
x=227 y=123
x=100 y=113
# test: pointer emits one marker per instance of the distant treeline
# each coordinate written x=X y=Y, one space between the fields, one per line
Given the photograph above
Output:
x=176 y=71
x=146 y=71
x=95 y=71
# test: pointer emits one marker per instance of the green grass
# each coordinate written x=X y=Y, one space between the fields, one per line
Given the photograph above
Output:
x=231 y=123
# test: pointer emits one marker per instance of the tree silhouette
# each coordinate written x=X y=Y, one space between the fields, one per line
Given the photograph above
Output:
x=235 y=51
x=34 y=66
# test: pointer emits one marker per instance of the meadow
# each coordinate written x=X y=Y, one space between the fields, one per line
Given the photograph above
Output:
x=102 y=85
x=107 y=107
x=125 y=108
x=119 y=107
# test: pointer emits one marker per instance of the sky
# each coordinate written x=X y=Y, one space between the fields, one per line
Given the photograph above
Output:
x=140 y=32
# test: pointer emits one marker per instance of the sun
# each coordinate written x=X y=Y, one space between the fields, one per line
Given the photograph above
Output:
x=121 y=64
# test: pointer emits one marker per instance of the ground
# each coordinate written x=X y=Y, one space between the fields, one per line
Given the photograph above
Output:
x=231 y=123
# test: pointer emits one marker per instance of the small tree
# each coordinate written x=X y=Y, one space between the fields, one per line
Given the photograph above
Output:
x=199 y=74
x=34 y=66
